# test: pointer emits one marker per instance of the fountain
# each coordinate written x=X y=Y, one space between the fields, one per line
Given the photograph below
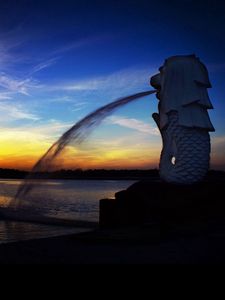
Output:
x=183 y=192
x=21 y=207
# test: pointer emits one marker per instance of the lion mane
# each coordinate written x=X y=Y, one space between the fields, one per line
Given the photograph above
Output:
x=184 y=82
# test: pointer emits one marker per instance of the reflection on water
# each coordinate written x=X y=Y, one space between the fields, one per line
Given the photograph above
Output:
x=18 y=182
x=65 y=199
x=11 y=231
x=4 y=201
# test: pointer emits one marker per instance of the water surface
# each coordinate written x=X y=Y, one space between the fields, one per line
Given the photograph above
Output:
x=65 y=199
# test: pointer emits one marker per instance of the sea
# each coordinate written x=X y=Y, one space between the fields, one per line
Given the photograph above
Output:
x=76 y=200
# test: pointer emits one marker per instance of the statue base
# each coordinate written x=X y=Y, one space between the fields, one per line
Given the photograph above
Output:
x=151 y=202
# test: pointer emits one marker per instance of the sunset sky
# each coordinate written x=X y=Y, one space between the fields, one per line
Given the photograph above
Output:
x=59 y=60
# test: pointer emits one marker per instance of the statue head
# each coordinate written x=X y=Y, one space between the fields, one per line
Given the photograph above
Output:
x=182 y=86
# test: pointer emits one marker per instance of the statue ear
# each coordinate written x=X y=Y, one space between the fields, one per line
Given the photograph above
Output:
x=201 y=75
x=184 y=82
x=197 y=90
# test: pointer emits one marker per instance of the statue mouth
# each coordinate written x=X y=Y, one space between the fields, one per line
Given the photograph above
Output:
x=155 y=82
x=158 y=94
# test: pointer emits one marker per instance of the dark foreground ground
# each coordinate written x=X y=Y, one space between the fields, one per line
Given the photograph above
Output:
x=150 y=223
x=123 y=246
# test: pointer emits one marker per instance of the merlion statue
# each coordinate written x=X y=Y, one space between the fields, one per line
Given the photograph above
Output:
x=183 y=119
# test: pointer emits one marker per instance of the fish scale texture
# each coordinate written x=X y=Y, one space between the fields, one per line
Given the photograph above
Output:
x=191 y=149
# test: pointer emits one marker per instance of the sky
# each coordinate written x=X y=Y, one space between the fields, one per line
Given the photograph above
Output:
x=60 y=60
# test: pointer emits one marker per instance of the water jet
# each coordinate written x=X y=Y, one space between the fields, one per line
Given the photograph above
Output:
x=22 y=202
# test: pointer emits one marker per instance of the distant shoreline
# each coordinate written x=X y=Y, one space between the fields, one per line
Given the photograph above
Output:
x=95 y=174
x=89 y=178
x=79 y=174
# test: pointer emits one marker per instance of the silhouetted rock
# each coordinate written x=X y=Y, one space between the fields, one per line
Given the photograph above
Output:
x=156 y=201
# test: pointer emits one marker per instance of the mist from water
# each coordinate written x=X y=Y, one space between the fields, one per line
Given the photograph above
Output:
x=76 y=134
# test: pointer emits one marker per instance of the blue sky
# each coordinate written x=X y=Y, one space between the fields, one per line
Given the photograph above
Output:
x=59 y=60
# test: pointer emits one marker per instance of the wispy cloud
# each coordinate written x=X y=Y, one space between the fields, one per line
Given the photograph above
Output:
x=10 y=42
x=77 y=106
x=14 y=81
x=123 y=80
x=57 y=54
x=15 y=85
x=71 y=46
x=134 y=124
x=22 y=146
x=5 y=96
x=11 y=80
x=51 y=128
x=77 y=44
x=15 y=112
x=5 y=57
x=47 y=132
x=43 y=65
x=33 y=141
x=61 y=99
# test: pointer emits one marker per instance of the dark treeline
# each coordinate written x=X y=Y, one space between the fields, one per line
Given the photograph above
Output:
x=82 y=174
x=12 y=173
x=95 y=174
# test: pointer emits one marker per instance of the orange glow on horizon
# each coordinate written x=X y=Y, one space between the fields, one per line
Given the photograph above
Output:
x=23 y=157
x=21 y=150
